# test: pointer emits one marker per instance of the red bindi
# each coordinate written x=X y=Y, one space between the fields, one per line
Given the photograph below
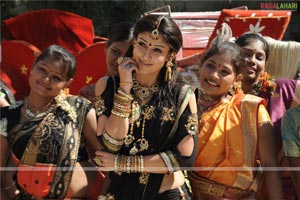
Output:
x=150 y=44
x=219 y=65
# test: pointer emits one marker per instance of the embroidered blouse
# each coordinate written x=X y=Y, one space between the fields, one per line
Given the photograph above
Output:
x=157 y=133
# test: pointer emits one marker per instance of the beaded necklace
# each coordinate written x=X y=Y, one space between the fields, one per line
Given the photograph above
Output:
x=31 y=115
x=206 y=103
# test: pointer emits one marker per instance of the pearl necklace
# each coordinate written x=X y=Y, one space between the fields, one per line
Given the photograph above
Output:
x=31 y=115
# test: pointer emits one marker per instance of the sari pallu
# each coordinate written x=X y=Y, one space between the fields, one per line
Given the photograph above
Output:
x=228 y=143
x=47 y=149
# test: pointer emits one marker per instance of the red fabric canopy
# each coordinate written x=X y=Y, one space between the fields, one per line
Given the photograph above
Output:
x=272 y=23
x=91 y=65
x=17 y=59
x=49 y=26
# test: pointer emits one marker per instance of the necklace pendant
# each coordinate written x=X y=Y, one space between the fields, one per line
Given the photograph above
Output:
x=144 y=144
x=128 y=140
x=143 y=179
x=136 y=111
x=138 y=123
x=133 y=150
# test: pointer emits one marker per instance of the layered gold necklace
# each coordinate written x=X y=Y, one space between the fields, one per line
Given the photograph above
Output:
x=142 y=93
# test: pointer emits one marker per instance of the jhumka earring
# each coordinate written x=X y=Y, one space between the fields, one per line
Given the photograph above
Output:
x=169 y=66
x=154 y=33
x=236 y=87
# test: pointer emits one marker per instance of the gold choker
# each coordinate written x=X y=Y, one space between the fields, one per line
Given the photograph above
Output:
x=143 y=94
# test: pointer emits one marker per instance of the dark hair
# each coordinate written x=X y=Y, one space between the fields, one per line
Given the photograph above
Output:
x=63 y=56
x=167 y=28
x=229 y=49
x=250 y=37
x=123 y=31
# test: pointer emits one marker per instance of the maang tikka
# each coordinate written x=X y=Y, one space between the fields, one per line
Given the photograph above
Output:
x=154 y=33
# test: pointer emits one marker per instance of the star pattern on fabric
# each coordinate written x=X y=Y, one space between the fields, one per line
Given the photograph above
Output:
x=24 y=70
x=256 y=29
x=88 y=79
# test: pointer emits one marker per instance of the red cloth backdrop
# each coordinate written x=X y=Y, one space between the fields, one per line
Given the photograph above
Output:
x=50 y=26
x=272 y=23
x=17 y=59
x=91 y=65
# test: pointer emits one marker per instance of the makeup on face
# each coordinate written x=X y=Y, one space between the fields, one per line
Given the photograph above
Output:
x=46 y=72
x=150 y=44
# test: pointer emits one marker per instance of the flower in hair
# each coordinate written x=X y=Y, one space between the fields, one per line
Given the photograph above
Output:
x=266 y=84
x=61 y=102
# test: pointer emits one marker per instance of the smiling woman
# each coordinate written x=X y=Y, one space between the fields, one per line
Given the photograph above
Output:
x=49 y=131
x=147 y=121
x=229 y=129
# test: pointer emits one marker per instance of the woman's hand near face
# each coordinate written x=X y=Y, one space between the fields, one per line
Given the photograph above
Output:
x=126 y=68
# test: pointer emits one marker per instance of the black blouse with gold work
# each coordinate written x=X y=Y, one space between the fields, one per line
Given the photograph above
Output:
x=151 y=135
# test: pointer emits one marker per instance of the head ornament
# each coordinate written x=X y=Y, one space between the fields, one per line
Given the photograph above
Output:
x=155 y=32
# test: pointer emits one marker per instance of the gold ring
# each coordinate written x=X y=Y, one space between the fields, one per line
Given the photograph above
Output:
x=97 y=161
x=120 y=60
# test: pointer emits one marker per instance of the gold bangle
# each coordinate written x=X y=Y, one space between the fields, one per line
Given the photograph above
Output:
x=125 y=82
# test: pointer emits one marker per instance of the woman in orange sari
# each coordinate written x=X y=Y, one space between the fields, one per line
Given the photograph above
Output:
x=235 y=133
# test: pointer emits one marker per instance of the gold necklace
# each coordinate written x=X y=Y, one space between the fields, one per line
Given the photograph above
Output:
x=206 y=103
x=142 y=93
x=135 y=116
x=31 y=115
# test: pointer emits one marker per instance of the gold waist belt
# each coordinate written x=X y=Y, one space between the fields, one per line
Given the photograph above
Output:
x=204 y=188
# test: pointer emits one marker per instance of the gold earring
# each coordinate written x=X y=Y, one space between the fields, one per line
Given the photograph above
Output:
x=66 y=91
x=235 y=88
x=169 y=66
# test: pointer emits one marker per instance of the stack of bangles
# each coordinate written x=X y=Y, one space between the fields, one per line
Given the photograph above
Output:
x=129 y=164
x=122 y=104
x=112 y=144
